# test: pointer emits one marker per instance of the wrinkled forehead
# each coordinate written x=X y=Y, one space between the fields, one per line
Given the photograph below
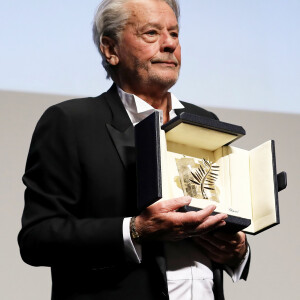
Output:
x=141 y=12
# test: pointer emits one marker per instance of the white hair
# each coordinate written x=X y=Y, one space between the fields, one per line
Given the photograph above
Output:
x=110 y=20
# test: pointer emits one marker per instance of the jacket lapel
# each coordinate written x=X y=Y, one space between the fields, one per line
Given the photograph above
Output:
x=124 y=143
x=121 y=129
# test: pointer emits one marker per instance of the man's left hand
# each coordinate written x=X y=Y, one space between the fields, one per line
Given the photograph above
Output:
x=223 y=248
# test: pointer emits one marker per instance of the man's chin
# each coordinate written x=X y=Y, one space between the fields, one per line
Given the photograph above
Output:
x=164 y=80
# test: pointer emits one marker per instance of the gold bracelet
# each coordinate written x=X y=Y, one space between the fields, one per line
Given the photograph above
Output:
x=133 y=233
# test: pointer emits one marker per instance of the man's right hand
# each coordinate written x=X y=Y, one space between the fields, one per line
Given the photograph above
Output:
x=160 y=221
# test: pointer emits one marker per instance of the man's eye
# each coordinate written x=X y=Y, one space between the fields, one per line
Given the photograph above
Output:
x=174 y=34
x=151 y=32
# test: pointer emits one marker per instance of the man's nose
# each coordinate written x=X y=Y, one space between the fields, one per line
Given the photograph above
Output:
x=169 y=43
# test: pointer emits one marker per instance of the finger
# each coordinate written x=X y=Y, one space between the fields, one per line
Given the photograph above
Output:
x=194 y=223
x=207 y=227
x=194 y=218
x=169 y=205
x=188 y=222
x=209 y=224
x=191 y=220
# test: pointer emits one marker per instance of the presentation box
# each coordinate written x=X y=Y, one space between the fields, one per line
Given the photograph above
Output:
x=192 y=155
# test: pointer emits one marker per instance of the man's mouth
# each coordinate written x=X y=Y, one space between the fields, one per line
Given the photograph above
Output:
x=165 y=62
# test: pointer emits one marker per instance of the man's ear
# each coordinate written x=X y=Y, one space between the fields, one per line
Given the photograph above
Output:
x=108 y=48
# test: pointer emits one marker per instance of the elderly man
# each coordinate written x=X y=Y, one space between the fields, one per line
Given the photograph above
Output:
x=80 y=216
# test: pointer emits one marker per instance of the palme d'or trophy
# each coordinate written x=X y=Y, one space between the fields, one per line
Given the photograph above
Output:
x=198 y=177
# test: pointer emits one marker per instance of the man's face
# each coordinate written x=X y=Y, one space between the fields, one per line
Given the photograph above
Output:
x=149 y=51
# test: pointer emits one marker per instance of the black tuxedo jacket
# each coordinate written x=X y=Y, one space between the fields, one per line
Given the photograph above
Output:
x=81 y=183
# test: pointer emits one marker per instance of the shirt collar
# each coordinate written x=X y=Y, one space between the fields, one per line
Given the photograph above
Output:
x=138 y=109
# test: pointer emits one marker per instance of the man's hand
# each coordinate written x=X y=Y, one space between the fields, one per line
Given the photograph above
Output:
x=224 y=248
x=161 y=221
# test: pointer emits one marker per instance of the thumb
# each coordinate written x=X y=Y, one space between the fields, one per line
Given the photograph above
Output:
x=171 y=204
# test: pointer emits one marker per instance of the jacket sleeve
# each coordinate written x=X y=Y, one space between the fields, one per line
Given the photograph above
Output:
x=53 y=233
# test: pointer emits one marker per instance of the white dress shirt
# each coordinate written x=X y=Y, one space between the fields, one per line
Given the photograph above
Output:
x=189 y=272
